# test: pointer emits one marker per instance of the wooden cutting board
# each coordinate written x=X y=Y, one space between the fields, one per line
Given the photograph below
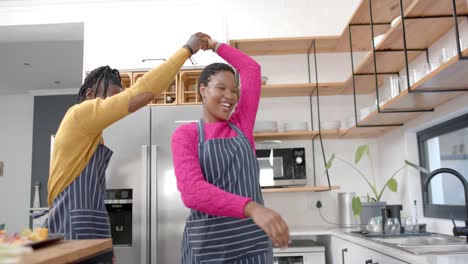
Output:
x=67 y=251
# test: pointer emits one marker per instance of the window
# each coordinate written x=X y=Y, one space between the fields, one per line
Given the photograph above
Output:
x=445 y=146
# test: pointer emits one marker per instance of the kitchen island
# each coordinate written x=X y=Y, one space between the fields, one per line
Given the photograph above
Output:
x=73 y=251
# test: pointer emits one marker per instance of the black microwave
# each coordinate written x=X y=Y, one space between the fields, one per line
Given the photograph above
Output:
x=282 y=167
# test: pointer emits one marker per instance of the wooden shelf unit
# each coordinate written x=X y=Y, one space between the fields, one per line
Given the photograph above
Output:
x=450 y=75
x=126 y=79
x=167 y=97
x=301 y=189
x=417 y=37
x=189 y=87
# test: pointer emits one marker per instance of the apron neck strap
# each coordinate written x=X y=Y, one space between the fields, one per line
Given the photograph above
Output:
x=201 y=131
x=238 y=131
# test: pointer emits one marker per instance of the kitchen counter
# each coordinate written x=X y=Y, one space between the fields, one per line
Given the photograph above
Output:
x=72 y=251
x=344 y=233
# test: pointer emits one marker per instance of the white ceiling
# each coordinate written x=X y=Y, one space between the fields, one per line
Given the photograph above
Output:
x=54 y=53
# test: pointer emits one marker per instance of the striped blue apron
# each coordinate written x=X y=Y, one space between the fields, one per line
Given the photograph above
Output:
x=229 y=164
x=79 y=211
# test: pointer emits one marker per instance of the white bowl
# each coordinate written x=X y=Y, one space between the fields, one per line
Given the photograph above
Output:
x=364 y=112
x=330 y=125
x=296 y=126
x=378 y=39
x=266 y=126
x=395 y=21
x=348 y=122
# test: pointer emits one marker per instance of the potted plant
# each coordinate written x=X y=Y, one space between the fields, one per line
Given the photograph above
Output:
x=373 y=204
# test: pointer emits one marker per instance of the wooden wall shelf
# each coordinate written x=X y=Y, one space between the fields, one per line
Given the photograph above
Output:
x=291 y=135
x=297 y=135
x=301 y=89
x=301 y=189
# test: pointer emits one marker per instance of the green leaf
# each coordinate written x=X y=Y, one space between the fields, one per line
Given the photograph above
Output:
x=419 y=168
x=357 y=205
x=330 y=162
x=393 y=185
x=363 y=149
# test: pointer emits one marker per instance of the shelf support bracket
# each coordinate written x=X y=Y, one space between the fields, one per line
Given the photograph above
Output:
x=313 y=46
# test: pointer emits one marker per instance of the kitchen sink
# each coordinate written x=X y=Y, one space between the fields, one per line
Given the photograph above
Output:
x=432 y=244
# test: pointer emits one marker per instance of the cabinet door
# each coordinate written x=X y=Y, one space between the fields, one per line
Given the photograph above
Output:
x=363 y=255
x=340 y=250
x=167 y=97
x=189 y=81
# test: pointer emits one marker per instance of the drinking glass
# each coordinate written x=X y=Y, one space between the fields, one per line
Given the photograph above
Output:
x=409 y=225
x=396 y=226
x=389 y=226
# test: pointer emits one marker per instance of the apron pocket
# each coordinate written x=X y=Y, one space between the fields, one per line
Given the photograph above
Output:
x=89 y=224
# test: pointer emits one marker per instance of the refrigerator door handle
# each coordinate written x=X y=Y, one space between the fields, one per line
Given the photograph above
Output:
x=146 y=220
x=153 y=185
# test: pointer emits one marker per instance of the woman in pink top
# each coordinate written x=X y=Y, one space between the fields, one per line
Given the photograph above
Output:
x=217 y=170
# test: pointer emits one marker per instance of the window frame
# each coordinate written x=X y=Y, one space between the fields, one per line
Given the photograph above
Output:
x=458 y=212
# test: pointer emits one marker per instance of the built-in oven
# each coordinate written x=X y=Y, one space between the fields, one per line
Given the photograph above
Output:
x=119 y=204
x=282 y=167
x=300 y=252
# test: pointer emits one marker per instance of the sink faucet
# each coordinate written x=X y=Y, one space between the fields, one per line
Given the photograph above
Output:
x=457 y=231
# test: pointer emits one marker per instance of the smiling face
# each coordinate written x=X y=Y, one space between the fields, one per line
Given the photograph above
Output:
x=220 y=95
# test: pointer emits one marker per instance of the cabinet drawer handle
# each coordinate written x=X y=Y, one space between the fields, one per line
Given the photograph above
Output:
x=369 y=261
x=342 y=255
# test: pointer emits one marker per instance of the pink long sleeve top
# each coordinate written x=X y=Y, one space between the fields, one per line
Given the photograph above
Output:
x=196 y=192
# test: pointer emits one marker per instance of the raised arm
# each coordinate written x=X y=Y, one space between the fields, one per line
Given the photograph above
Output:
x=250 y=84
x=100 y=113
x=196 y=192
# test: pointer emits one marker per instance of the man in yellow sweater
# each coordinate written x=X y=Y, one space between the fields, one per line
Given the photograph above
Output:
x=76 y=185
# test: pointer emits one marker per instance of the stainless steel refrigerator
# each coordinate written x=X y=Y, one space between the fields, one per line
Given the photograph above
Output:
x=142 y=161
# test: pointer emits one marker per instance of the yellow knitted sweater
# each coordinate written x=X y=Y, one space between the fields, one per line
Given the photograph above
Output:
x=81 y=129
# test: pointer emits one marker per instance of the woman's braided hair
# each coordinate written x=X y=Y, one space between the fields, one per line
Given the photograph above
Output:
x=97 y=79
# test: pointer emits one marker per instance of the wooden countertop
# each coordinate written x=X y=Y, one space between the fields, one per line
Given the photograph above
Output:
x=67 y=251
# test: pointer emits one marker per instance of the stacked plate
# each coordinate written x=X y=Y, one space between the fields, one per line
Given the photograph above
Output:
x=364 y=112
x=348 y=122
x=266 y=126
x=295 y=126
x=330 y=125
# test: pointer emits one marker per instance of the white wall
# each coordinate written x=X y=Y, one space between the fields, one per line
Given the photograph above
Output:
x=16 y=119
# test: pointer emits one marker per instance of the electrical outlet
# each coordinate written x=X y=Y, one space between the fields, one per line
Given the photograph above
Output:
x=318 y=204
x=1 y=168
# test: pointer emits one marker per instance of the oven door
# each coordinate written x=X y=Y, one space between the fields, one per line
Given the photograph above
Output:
x=271 y=170
x=299 y=258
